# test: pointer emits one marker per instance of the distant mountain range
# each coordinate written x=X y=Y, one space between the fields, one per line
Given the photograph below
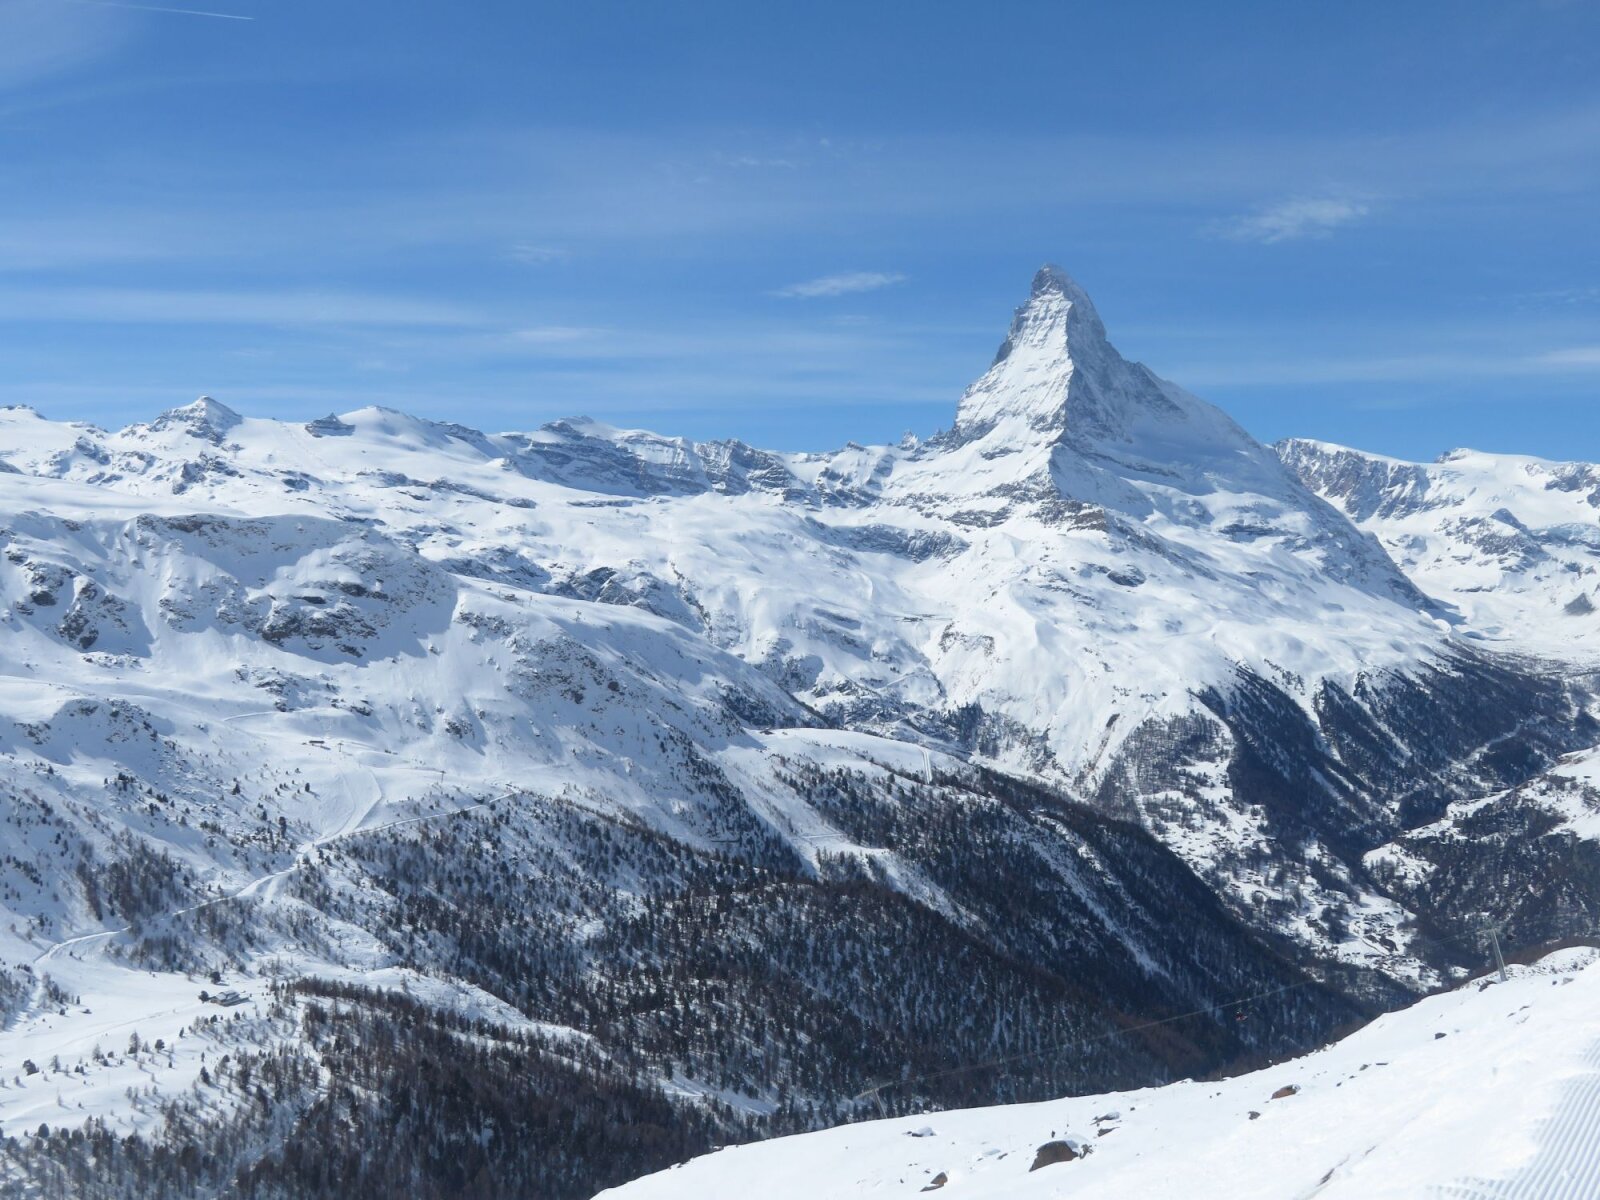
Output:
x=559 y=804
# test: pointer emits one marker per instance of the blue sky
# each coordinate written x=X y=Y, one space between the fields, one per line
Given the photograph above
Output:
x=801 y=224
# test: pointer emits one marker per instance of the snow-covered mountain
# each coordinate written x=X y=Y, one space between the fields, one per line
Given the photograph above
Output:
x=1512 y=543
x=1086 y=711
x=1487 y=1091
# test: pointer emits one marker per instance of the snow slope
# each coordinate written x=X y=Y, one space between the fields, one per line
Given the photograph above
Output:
x=1511 y=542
x=1073 y=583
x=1490 y=1091
x=1530 y=855
x=1085 y=566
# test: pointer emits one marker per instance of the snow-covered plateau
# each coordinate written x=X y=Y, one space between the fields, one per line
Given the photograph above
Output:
x=547 y=807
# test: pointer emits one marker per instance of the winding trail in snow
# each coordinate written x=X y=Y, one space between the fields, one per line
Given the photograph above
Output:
x=264 y=886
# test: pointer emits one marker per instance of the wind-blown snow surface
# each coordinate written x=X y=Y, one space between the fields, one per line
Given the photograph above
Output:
x=1490 y=1091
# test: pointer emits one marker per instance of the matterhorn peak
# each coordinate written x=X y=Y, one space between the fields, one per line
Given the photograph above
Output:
x=1058 y=316
x=1053 y=286
x=1056 y=349
x=1058 y=388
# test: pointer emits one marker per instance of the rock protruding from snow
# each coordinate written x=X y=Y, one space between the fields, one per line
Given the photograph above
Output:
x=1062 y=1150
x=329 y=426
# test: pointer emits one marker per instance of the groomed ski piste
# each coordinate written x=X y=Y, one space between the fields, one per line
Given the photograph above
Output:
x=1488 y=1092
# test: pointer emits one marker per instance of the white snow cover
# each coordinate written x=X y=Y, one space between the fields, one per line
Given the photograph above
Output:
x=1567 y=796
x=1490 y=1092
x=1082 y=552
x=1085 y=545
x=1511 y=542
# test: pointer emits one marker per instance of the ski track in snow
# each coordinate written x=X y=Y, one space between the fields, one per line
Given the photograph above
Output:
x=1567 y=1165
x=265 y=886
x=144 y=1001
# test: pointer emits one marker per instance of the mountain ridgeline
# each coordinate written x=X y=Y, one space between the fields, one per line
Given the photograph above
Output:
x=393 y=808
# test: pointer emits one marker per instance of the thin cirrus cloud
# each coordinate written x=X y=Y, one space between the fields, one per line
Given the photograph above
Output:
x=44 y=38
x=139 y=306
x=847 y=284
x=557 y=335
x=1291 y=220
x=1578 y=357
x=156 y=8
x=1423 y=367
x=535 y=255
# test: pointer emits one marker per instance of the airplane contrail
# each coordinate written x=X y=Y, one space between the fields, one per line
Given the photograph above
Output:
x=188 y=12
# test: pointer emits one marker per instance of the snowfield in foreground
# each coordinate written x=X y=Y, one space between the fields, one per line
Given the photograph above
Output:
x=1489 y=1091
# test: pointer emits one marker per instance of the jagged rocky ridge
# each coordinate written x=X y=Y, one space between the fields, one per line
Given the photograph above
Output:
x=1091 y=710
x=1511 y=543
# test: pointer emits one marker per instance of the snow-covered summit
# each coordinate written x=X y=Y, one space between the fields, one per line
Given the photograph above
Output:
x=1058 y=378
x=1090 y=560
x=378 y=694
x=205 y=418
x=1051 y=334
x=1061 y=417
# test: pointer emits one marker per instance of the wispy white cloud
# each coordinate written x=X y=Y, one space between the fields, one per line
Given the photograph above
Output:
x=557 y=335
x=841 y=285
x=1432 y=367
x=592 y=194
x=756 y=161
x=1558 y=298
x=44 y=38
x=536 y=255
x=156 y=8
x=1306 y=217
x=1577 y=357
x=137 y=306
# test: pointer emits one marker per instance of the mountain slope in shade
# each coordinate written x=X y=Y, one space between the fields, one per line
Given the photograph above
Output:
x=243 y=750
x=1486 y=1092
x=1529 y=855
